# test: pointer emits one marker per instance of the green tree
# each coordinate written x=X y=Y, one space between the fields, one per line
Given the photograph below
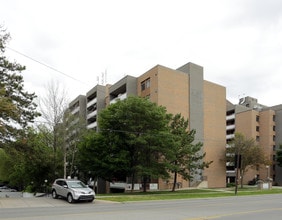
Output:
x=3 y=157
x=28 y=161
x=252 y=155
x=132 y=139
x=279 y=156
x=94 y=158
x=17 y=107
x=185 y=156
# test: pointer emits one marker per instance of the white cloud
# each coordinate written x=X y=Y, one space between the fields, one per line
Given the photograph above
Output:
x=237 y=42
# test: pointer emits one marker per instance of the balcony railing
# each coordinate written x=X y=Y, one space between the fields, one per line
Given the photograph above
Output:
x=75 y=110
x=90 y=115
x=230 y=127
x=92 y=125
x=230 y=136
x=229 y=117
x=92 y=102
x=120 y=97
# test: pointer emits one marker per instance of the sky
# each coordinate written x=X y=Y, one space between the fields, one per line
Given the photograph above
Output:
x=81 y=43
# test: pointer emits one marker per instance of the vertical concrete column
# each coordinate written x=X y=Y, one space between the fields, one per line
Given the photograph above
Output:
x=196 y=103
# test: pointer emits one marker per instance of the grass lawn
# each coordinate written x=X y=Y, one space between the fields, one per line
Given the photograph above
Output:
x=185 y=194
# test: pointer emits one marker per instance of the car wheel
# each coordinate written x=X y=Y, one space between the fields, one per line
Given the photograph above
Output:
x=69 y=198
x=54 y=194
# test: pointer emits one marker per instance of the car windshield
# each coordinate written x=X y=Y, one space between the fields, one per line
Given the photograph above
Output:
x=76 y=184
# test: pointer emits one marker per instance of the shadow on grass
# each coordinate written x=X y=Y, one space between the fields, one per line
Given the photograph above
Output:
x=185 y=194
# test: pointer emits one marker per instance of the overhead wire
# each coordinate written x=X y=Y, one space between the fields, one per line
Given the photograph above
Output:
x=58 y=71
x=46 y=65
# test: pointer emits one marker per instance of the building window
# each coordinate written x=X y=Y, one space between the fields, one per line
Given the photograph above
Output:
x=273 y=117
x=257 y=118
x=274 y=148
x=145 y=84
x=230 y=112
x=273 y=128
x=257 y=138
x=274 y=138
x=257 y=128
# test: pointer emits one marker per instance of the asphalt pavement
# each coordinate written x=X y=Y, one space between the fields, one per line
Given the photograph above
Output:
x=259 y=207
x=22 y=202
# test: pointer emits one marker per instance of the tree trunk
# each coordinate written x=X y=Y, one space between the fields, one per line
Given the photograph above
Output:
x=132 y=181
x=144 y=184
x=65 y=163
x=242 y=178
x=72 y=160
x=174 y=182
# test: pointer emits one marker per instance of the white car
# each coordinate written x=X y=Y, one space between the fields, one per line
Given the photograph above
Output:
x=7 y=189
x=73 y=190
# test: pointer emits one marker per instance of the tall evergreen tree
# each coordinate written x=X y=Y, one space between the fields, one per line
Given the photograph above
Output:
x=185 y=156
x=17 y=107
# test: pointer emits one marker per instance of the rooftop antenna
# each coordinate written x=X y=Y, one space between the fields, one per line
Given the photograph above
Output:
x=105 y=76
x=102 y=81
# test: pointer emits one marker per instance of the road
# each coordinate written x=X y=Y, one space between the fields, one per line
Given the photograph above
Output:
x=231 y=208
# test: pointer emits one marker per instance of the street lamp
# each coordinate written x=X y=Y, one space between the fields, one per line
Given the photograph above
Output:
x=46 y=187
x=267 y=169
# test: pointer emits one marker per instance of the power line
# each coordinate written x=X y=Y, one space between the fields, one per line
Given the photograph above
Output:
x=48 y=66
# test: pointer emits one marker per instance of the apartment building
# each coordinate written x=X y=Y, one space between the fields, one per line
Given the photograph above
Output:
x=74 y=120
x=255 y=121
x=95 y=102
x=77 y=107
x=122 y=89
x=184 y=91
x=277 y=139
x=77 y=110
x=203 y=103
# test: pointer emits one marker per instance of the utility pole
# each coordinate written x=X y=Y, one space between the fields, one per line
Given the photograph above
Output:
x=237 y=166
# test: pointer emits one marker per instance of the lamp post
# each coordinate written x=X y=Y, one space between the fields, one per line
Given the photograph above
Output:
x=267 y=170
x=46 y=187
x=237 y=167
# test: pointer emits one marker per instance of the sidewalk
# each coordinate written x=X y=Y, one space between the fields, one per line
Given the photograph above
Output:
x=37 y=202
x=31 y=202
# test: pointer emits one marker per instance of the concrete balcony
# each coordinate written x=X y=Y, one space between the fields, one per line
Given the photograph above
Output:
x=92 y=102
x=230 y=136
x=92 y=114
x=229 y=117
x=230 y=127
x=75 y=110
x=119 y=97
x=92 y=125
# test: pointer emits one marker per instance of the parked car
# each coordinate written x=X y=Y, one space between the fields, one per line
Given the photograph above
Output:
x=73 y=190
x=7 y=189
